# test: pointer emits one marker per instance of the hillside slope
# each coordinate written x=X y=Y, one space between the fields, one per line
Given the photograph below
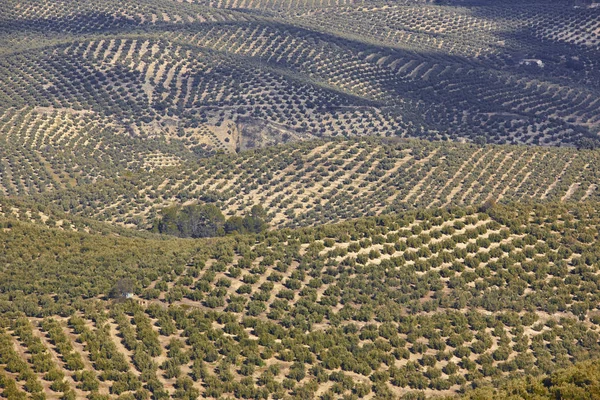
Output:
x=316 y=182
x=237 y=74
x=421 y=177
x=432 y=302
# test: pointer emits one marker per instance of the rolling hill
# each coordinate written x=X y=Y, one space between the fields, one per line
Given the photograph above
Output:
x=311 y=183
x=275 y=71
x=430 y=302
x=402 y=197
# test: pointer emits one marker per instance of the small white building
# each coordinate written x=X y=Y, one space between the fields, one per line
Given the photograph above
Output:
x=532 y=61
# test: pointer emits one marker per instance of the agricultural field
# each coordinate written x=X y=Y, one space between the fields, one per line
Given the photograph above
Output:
x=235 y=74
x=421 y=303
x=298 y=199
x=316 y=182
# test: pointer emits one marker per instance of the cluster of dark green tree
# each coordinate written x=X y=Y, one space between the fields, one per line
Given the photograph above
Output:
x=207 y=220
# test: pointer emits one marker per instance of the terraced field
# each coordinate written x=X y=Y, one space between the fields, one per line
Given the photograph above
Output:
x=427 y=302
x=279 y=71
